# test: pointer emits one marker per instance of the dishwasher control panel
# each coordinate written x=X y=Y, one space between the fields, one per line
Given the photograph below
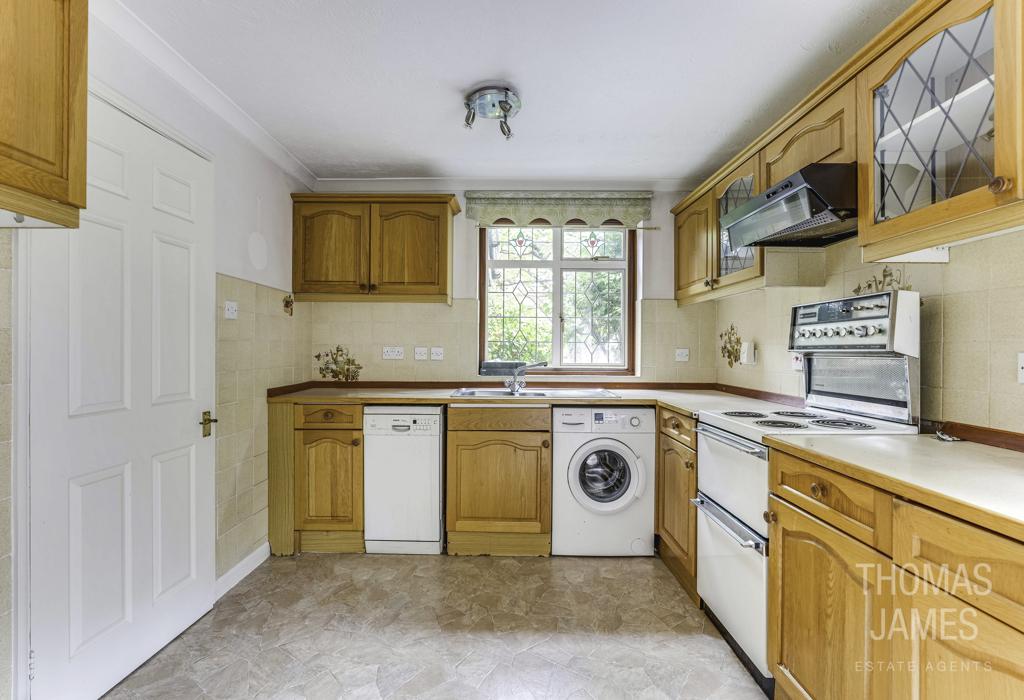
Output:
x=401 y=425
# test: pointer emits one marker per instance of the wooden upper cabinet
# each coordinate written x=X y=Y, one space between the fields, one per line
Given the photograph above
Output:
x=331 y=248
x=677 y=517
x=694 y=265
x=826 y=134
x=373 y=247
x=734 y=263
x=328 y=480
x=43 y=121
x=410 y=249
x=830 y=600
x=499 y=482
x=940 y=127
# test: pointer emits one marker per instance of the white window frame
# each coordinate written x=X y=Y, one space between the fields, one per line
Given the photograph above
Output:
x=558 y=265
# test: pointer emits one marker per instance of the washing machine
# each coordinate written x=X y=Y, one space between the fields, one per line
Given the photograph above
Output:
x=603 y=481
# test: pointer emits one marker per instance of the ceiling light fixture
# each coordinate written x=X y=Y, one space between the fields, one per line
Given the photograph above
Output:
x=499 y=102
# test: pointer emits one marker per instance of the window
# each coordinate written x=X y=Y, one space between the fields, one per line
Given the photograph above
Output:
x=562 y=295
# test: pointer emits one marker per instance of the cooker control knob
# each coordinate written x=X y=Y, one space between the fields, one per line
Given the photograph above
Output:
x=804 y=333
x=635 y=421
x=829 y=332
x=843 y=332
x=871 y=330
x=860 y=331
x=817 y=333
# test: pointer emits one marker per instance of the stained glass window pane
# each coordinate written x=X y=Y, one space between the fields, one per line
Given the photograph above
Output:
x=934 y=120
x=520 y=243
x=733 y=259
x=519 y=314
x=592 y=317
x=606 y=244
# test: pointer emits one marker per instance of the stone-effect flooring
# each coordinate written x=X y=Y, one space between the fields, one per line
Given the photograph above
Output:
x=387 y=626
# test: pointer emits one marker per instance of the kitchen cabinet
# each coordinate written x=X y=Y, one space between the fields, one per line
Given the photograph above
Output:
x=829 y=597
x=826 y=134
x=940 y=129
x=952 y=650
x=677 y=516
x=43 y=123
x=329 y=487
x=499 y=485
x=694 y=264
x=373 y=247
x=734 y=264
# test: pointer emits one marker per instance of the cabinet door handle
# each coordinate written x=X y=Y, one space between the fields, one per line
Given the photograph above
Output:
x=328 y=415
x=546 y=444
x=689 y=464
x=707 y=282
x=675 y=425
x=373 y=288
x=1000 y=184
x=356 y=442
x=770 y=517
x=818 y=490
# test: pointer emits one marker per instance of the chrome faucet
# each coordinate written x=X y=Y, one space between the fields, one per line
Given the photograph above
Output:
x=517 y=382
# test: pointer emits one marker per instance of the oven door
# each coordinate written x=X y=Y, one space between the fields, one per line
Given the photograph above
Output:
x=733 y=471
x=732 y=578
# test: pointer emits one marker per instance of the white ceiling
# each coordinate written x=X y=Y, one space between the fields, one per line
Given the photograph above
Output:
x=628 y=91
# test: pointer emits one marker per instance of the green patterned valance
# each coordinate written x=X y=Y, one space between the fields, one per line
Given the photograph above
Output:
x=558 y=208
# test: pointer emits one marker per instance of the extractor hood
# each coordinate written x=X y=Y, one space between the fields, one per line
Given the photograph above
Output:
x=815 y=206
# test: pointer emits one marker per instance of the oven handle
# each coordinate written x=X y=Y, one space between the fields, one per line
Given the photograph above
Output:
x=719 y=517
x=749 y=448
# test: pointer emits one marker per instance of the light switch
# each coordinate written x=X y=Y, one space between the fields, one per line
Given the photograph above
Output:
x=436 y=353
x=420 y=353
x=1020 y=368
x=748 y=354
x=682 y=354
x=231 y=310
x=393 y=352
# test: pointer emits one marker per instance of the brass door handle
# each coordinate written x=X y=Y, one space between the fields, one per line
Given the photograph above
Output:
x=770 y=517
x=818 y=491
x=362 y=287
x=675 y=425
x=373 y=288
x=1000 y=184
x=707 y=282
x=328 y=415
x=207 y=421
x=355 y=442
x=689 y=464
x=546 y=444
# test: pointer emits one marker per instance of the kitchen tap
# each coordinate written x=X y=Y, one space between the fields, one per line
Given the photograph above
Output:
x=517 y=382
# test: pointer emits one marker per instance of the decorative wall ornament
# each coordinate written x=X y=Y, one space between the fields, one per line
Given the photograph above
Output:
x=628 y=208
x=891 y=280
x=289 y=304
x=731 y=344
x=338 y=364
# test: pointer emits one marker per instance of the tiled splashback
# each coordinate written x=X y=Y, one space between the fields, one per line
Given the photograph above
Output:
x=972 y=327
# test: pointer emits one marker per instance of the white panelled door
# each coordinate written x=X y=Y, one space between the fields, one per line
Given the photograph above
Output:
x=122 y=366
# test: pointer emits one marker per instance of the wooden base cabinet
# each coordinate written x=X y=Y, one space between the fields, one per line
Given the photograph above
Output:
x=499 y=492
x=329 y=488
x=677 y=516
x=829 y=600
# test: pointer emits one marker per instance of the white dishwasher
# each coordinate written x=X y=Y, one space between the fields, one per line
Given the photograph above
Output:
x=402 y=461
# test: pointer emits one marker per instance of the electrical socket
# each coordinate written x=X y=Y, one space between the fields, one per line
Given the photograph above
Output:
x=796 y=362
x=393 y=352
x=420 y=353
x=231 y=310
x=682 y=354
x=1020 y=367
x=436 y=353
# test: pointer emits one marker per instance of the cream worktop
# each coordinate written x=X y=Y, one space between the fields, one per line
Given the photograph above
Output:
x=683 y=401
x=979 y=483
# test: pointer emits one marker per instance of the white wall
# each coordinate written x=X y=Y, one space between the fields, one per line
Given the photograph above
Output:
x=657 y=251
x=244 y=175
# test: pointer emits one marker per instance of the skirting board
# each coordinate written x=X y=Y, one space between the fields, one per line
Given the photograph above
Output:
x=242 y=569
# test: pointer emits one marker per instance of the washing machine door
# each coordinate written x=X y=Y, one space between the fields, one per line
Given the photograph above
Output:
x=605 y=476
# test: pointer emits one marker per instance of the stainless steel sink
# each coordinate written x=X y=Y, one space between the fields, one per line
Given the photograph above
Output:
x=537 y=394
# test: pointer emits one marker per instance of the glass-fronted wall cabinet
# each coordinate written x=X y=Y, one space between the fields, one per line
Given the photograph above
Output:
x=939 y=134
x=736 y=263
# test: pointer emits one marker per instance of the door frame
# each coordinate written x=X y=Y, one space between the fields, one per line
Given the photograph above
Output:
x=21 y=633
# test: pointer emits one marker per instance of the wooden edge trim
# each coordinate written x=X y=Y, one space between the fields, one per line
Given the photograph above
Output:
x=993 y=437
x=451 y=200
x=881 y=43
x=762 y=395
x=357 y=386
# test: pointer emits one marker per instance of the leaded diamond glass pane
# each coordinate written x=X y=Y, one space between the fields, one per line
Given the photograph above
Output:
x=519 y=314
x=732 y=259
x=606 y=244
x=934 y=121
x=592 y=317
x=520 y=243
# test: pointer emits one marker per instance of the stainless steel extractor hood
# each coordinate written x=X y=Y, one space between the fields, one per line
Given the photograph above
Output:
x=815 y=206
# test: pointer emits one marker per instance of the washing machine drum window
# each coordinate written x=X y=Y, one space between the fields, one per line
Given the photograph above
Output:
x=605 y=476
